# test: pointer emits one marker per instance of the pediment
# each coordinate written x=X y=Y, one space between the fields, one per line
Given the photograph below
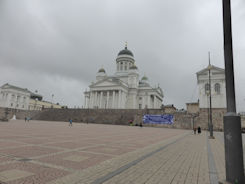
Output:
x=106 y=82
x=214 y=69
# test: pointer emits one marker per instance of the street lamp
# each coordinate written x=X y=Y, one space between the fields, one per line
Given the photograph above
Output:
x=208 y=108
x=210 y=101
x=232 y=122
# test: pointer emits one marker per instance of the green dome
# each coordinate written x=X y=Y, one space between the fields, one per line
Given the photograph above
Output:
x=133 y=67
x=102 y=70
x=144 y=78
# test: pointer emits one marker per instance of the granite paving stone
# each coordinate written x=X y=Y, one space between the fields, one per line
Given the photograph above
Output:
x=43 y=152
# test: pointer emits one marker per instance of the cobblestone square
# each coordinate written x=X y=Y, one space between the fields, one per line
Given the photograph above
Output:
x=54 y=153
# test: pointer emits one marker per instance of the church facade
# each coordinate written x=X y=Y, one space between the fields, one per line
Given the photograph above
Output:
x=124 y=89
x=218 y=90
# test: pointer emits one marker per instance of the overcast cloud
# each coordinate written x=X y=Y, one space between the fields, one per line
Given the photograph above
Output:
x=57 y=47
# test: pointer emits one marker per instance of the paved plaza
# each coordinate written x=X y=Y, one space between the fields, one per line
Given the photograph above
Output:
x=38 y=152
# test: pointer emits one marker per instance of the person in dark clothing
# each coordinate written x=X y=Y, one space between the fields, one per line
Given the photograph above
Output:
x=199 y=130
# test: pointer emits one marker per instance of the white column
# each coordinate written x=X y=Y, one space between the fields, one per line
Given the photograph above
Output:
x=87 y=102
x=123 y=100
x=149 y=101
x=113 y=99
x=101 y=96
x=143 y=102
x=107 y=100
x=119 y=99
x=96 y=99
x=134 y=101
x=92 y=100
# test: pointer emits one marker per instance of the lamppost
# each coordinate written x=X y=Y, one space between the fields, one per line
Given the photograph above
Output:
x=232 y=122
x=208 y=108
x=210 y=100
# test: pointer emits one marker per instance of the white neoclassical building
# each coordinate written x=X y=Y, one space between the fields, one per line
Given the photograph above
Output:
x=124 y=89
x=21 y=98
x=14 y=97
x=218 y=91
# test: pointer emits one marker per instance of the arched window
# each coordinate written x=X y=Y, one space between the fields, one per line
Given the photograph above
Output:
x=206 y=88
x=217 y=88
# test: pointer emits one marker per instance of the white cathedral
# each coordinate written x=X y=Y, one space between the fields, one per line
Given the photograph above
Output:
x=124 y=89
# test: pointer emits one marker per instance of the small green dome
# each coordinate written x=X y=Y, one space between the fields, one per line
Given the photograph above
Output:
x=133 y=67
x=102 y=70
x=144 y=78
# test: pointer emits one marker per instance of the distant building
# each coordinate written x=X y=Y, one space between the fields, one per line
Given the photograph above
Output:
x=200 y=110
x=21 y=98
x=39 y=105
x=14 y=97
x=218 y=91
x=169 y=108
x=124 y=89
x=192 y=108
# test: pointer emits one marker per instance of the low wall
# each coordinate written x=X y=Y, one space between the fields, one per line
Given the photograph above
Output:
x=217 y=118
x=120 y=116
x=103 y=116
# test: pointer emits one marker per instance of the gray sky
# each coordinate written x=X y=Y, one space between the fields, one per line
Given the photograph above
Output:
x=57 y=47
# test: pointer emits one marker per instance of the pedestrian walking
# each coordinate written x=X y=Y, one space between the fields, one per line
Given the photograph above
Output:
x=70 y=122
x=25 y=118
x=194 y=129
x=130 y=122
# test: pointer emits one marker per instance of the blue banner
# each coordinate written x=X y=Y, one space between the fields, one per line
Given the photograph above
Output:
x=159 y=119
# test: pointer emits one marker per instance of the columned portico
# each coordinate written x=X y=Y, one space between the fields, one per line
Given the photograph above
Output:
x=124 y=89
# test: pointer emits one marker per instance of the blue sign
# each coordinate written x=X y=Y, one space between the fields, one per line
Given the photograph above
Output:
x=159 y=119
